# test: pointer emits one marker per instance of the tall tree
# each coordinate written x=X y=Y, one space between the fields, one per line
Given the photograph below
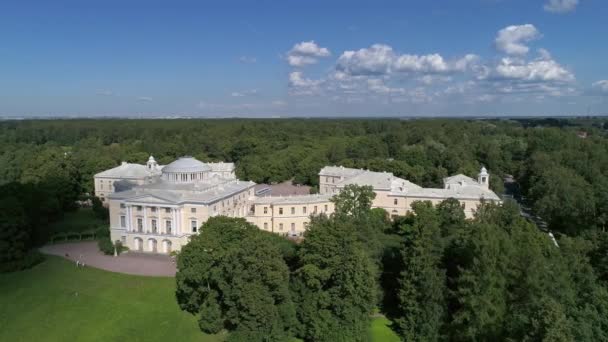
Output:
x=422 y=281
x=233 y=276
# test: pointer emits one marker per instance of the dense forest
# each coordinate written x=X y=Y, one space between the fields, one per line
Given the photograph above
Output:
x=436 y=275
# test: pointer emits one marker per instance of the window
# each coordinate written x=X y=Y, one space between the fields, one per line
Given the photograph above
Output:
x=293 y=227
x=122 y=206
x=327 y=179
x=325 y=208
x=280 y=226
x=293 y=210
x=265 y=210
x=266 y=225
x=153 y=209
x=168 y=226
x=167 y=210
x=140 y=225
x=193 y=210
x=303 y=210
x=194 y=226
x=314 y=209
x=215 y=208
x=123 y=221
x=123 y=239
x=395 y=201
x=280 y=211
x=154 y=227
x=139 y=208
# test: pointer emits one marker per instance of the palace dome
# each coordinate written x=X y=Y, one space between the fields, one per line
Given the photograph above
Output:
x=186 y=165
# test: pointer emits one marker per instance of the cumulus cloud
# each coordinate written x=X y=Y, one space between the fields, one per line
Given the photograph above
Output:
x=301 y=85
x=375 y=60
x=380 y=59
x=380 y=74
x=511 y=39
x=306 y=53
x=601 y=87
x=560 y=6
x=540 y=69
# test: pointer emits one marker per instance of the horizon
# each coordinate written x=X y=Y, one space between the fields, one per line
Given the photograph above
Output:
x=236 y=59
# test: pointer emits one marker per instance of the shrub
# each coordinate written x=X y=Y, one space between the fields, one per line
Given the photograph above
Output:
x=106 y=245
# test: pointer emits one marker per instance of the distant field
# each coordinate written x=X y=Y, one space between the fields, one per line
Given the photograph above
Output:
x=55 y=301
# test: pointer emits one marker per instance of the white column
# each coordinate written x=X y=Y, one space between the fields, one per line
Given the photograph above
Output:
x=145 y=219
x=128 y=218
x=178 y=227
x=174 y=221
x=159 y=221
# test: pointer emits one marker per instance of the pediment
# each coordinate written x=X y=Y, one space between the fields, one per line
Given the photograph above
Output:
x=153 y=199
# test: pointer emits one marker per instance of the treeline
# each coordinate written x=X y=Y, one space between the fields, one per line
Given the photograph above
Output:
x=436 y=275
x=26 y=212
x=563 y=176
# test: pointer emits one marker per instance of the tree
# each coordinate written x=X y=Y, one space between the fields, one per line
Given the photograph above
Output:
x=354 y=201
x=335 y=283
x=233 y=276
x=14 y=234
x=422 y=281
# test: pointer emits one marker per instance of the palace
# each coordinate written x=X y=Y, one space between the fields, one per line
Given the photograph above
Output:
x=155 y=208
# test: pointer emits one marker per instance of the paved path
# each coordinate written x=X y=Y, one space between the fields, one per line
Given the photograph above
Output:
x=129 y=262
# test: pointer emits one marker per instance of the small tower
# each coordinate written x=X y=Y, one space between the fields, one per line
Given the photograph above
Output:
x=152 y=164
x=483 y=178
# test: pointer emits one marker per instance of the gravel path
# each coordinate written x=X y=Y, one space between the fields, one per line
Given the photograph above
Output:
x=129 y=262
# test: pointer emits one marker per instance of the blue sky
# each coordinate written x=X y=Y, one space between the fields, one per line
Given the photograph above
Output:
x=303 y=58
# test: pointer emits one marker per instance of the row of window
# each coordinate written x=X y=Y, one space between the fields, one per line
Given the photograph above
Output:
x=293 y=210
x=109 y=185
x=293 y=226
x=153 y=222
x=327 y=179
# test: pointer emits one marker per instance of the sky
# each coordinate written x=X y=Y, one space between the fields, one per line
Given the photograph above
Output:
x=303 y=58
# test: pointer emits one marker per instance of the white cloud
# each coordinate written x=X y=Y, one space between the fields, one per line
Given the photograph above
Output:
x=144 y=99
x=306 y=53
x=428 y=63
x=511 y=39
x=299 y=85
x=249 y=92
x=601 y=86
x=375 y=60
x=380 y=59
x=544 y=70
x=560 y=6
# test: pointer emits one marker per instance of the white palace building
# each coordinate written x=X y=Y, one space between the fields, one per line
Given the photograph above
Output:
x=155 y=208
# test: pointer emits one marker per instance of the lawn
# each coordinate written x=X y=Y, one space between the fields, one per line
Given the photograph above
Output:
x=55 y=301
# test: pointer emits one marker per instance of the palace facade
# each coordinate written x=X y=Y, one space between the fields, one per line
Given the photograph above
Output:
x=155 y=208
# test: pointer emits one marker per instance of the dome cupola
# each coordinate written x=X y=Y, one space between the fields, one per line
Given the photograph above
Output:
x=186 y=170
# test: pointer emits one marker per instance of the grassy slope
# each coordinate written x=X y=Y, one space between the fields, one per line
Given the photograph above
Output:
x=55 y=301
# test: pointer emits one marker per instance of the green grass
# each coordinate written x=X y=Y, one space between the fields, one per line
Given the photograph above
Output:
x=55 y=301
x=381 y=331
x=77 y=221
